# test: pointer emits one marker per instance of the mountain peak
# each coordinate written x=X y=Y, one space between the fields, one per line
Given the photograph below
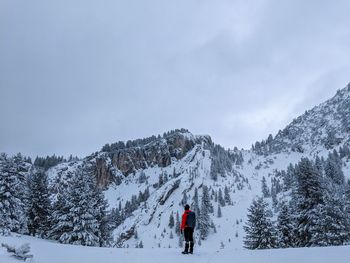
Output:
x=327 y=125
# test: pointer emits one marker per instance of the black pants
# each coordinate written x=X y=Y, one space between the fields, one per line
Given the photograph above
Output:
x=188 y=233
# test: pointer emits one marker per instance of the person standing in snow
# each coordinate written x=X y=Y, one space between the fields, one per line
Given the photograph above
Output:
x=188 y=224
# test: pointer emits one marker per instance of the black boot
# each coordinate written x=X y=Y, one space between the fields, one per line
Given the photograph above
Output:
x=191 y=247
x=186 y=248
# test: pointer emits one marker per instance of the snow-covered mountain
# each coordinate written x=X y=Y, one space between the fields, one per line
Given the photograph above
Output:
x=147 y=181
x=324 y=127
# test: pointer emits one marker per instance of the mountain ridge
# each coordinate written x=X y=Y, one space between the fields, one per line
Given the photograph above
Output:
x=147 y=181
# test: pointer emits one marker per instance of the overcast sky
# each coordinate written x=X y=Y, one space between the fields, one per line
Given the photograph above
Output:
x=75 y=75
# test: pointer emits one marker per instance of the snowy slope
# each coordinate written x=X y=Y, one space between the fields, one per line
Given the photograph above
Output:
x=46 y=251
x=187 y=161
x=193 y=171
x=150 y=223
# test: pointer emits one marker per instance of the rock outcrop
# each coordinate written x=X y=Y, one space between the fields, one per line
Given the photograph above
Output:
x=159 y=152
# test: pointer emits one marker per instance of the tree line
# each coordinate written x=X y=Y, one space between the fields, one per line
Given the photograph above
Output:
x=316 y=212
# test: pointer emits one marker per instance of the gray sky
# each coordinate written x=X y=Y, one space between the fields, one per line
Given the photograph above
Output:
x=75 y=75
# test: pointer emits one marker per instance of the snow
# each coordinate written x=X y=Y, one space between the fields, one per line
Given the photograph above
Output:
x=48 y=251
x=151 y=231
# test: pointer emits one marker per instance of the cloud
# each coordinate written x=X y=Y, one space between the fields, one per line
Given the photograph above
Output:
x=76 y=75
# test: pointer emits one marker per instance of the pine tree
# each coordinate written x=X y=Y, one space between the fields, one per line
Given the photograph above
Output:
x=12 y=192
x=160 y=181
x=259 y=229
x=333 y=169
x=319 y=164
x=142 y=177
x=165 y=177
x=184 y=199
x=347 y=208
x=60 y=221
x=171 y=220
x=227 y=196
x=265 y=190
x=308 y=199
x=289 y=178
x=195 y=203
x=39 y=206
x=177 y=224
x=114 y=218
x=332 y=224
x=219 y=211
x=346 y=151
x=204 y=218
x=102 y=217
x=285 y=228
x=221 y=200
x=141 y=244
x=83 y=226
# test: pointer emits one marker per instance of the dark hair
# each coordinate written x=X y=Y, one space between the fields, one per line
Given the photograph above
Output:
x=187 y=207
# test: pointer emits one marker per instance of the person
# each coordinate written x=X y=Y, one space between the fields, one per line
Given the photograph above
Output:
x=188 y=224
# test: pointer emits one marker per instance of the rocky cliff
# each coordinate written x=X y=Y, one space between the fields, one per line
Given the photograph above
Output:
x=141 y=154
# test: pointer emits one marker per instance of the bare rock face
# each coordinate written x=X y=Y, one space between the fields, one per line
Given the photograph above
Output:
x=110 y=166
x=159 y=152
x=104 y=175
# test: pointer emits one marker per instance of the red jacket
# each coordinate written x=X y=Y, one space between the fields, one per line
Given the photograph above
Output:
x=184 y=219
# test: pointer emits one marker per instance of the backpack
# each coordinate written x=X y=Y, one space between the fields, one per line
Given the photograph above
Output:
x=191 y=219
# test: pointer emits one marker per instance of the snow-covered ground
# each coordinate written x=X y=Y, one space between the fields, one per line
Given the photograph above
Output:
x=50 y=252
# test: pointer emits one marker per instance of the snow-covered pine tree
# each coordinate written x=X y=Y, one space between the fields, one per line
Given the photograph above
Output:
x=219 y=211
x=285 y=227
x=160 y=180
x=319 y=164
x=347 y=208
x=12 y=192
x=195 y=203
x=60 y=221
x=142 y=177
x=204 y=218
x=114 y=218
x=82 y=211
x=308 y=199
x=333 y=169
x=195 y=206
x=264 y=188
x=221 y=200
x=39 y=205
x=177 y=223
x=184 y=199
x=171 y=220
x=333 y=219
x=274 y=196
x=346 y=152
x=227 y=195
x=102 y=216
x=165 y=177
x=289 y=178
x=332 y=224
x=259 y=228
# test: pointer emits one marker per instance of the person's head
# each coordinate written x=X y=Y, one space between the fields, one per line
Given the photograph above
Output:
x=187 y=207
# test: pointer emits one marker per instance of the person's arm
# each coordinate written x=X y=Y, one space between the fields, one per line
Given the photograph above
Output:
x=183 y=221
